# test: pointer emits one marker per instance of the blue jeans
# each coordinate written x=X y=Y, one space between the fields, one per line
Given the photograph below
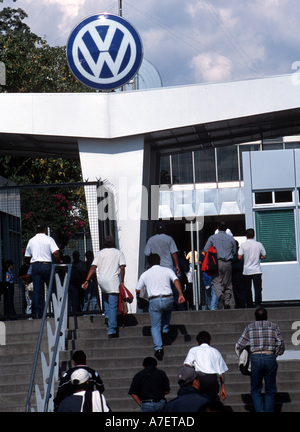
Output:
x=160 y=310
x=110 y=304
x=153 y=406
x=263 y=367
x=211 y=299
x=40 y=276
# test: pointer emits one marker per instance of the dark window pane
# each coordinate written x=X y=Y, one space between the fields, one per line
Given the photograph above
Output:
x=205 y=166
x=227 y=164
x=272 y=144
x=283 y=196
x=165 y=176
x=263 y=198
x=182 y=168
x=292 y=145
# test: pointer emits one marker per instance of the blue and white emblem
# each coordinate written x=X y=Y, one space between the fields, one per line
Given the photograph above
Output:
x=104 y=51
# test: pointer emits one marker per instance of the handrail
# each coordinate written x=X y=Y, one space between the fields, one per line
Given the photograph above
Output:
x=58 y=330
x=57 y=336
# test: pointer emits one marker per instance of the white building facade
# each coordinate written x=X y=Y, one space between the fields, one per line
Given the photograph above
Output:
x=172 y=153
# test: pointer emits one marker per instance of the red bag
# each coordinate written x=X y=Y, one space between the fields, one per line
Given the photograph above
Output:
x=125 y=297
x=210 y=262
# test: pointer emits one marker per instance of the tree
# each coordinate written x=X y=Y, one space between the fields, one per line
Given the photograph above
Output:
x=34 y=66
x=31 y=64
x=63 y=208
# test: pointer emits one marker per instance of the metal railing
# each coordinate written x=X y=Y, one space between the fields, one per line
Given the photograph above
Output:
x=59 y=305
x=198 y=295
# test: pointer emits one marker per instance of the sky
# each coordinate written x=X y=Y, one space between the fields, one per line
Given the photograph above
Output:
x=189 y=41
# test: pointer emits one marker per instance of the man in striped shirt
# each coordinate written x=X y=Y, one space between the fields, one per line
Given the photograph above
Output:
x=266 y=344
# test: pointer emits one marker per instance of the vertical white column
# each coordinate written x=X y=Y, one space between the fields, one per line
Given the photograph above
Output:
x=119 y=163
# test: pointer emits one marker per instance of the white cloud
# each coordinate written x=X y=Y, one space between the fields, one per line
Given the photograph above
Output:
x=213 y=68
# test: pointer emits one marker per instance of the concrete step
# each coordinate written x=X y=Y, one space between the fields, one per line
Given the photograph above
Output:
x=117 y=360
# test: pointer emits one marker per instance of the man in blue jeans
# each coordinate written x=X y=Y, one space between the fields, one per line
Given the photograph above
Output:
x=111 y=264
x=150 y=386
x=158 y=280
x=266 y=344
x=41 y=249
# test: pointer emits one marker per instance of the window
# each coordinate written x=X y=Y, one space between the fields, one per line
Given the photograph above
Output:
x=275 y=229
x=283 y=196
x=273 y=197
x=292 y=145
x=165 y=170
x=263 y=198
x=227 y=161
x=205 y=166
x=273 y=144
x=182 y=168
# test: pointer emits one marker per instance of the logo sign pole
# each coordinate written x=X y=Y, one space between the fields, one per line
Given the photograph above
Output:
x=104 y=51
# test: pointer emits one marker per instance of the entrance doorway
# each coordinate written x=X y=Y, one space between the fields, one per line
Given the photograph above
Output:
x=182 y=237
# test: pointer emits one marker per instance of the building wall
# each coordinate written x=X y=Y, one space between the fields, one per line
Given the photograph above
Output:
x=272 y=207
x=265 y=192
x=119 y=164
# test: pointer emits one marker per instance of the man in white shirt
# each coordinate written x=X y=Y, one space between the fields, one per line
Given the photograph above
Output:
x=40 y=250
x=158 y=280
x=111 y=264
x=252 y=252
x=209 y=364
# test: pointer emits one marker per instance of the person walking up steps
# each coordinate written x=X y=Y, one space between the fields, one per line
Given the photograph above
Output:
x=265 y=341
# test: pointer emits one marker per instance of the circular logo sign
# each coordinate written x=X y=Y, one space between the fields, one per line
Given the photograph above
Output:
x=104 y=51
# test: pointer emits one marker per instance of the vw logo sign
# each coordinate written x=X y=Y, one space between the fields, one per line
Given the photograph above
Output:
x=104 y=51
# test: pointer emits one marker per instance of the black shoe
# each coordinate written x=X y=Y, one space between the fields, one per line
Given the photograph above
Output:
x=226 y=307
x=113 y=335
x=159 y=354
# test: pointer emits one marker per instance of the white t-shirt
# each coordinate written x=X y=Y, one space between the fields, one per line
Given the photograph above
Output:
x=108 y=262
x=96 y=401
x=251 y=250
x=164 y=246
x=206 y=359
x=40 y=248
x=157 y=281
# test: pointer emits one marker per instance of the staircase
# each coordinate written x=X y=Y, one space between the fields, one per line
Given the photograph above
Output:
x=117 y=360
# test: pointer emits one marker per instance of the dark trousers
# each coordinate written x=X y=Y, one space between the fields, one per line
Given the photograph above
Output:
x=40 y=276
x=238 y=285
x=9 y=300
x=209 y=385
x=257 y=283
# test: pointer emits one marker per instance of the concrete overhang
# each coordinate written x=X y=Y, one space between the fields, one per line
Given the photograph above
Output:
x=171 y=118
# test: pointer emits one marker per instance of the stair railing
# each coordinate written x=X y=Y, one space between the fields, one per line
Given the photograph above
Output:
x=56 y=342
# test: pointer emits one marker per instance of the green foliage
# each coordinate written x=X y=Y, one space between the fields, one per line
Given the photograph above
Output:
x=31 y=64
x=34 y=66
x=34 y=170
x=62 y=208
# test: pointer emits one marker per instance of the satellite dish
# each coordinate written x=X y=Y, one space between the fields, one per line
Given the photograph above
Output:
x=146 y=78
